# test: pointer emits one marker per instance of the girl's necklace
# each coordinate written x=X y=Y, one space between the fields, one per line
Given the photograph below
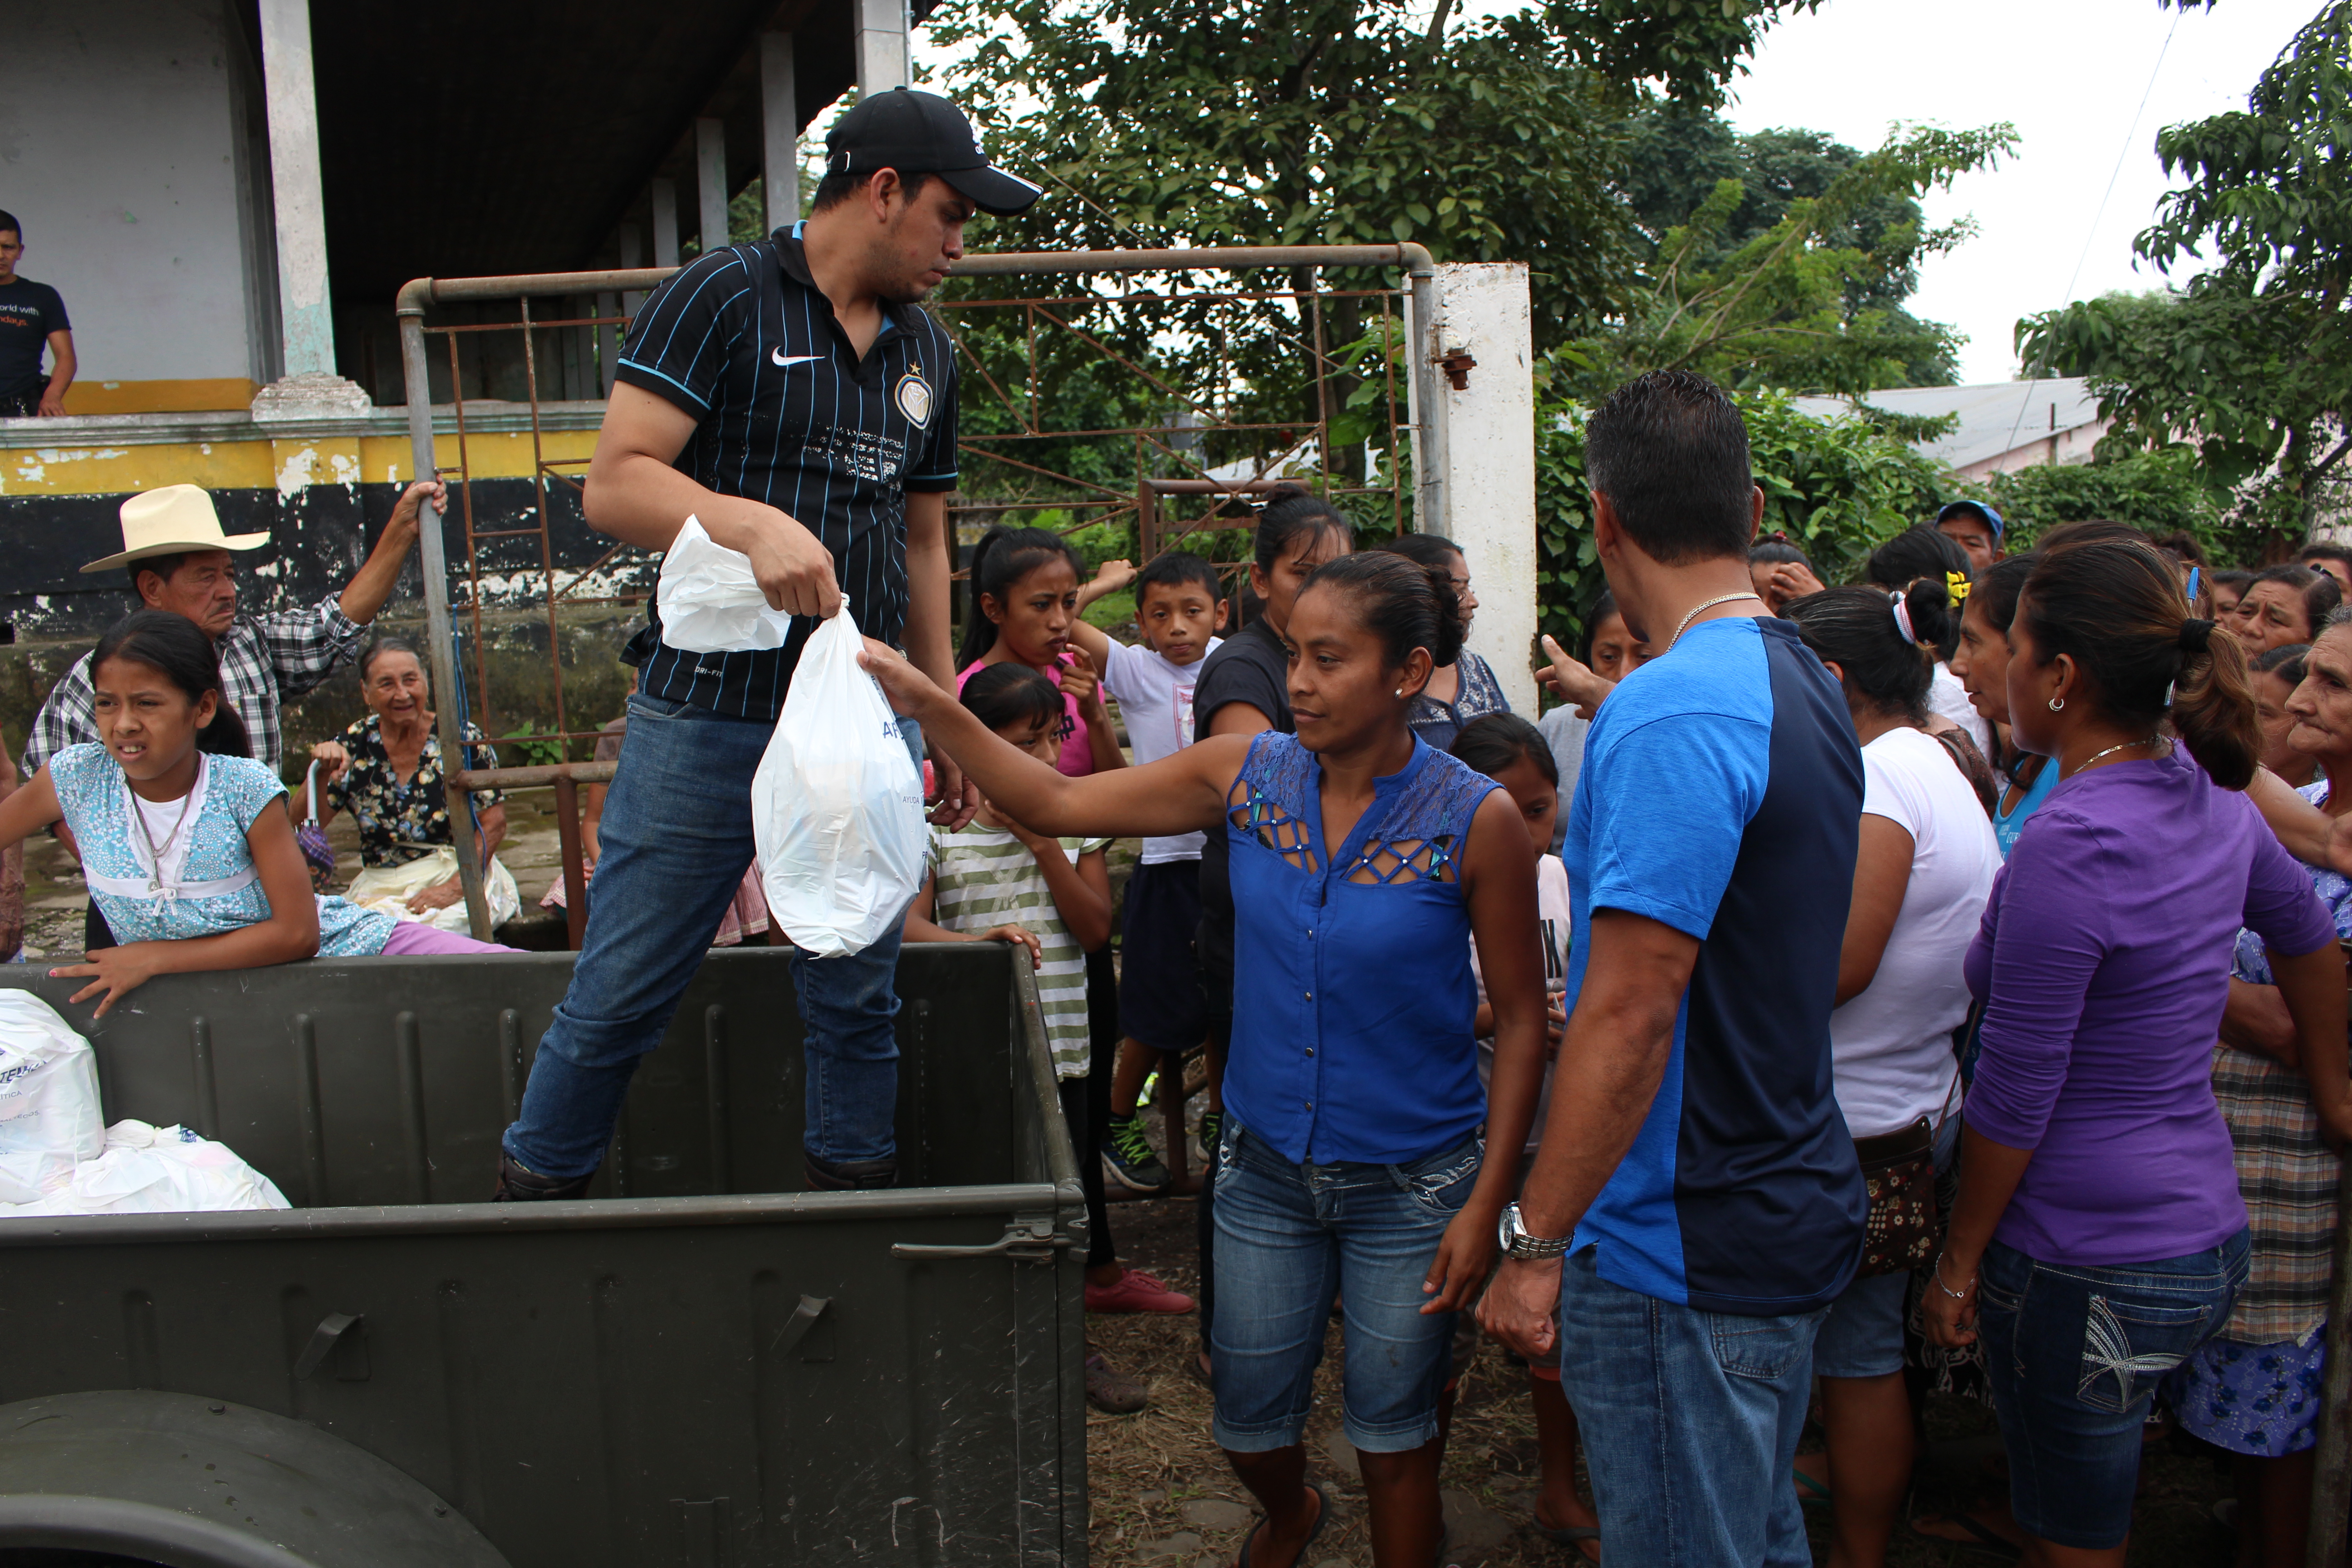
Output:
x=1707 y=605
x=2097 y=757
x=156 y=852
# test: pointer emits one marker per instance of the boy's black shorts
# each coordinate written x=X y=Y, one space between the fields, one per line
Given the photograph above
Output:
x=1160 y=1001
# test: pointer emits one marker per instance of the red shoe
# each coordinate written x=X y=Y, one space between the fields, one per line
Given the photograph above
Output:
x=1136 y=1291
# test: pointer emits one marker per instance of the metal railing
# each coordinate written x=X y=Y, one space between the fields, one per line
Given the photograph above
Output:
x=1424 y=424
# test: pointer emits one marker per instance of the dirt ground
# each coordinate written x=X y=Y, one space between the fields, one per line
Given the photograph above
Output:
x=1164 y=1495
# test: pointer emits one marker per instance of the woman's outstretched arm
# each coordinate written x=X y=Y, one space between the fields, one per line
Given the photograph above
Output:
x=1181 y=794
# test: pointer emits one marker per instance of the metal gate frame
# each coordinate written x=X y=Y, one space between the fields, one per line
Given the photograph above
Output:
x=1425 y=406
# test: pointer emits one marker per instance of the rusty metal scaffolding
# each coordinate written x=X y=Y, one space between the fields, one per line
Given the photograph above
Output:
x=1162 y=505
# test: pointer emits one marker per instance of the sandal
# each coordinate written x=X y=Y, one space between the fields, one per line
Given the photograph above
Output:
x=1570 y=1536
x=1805 y=1483
x=1322 y=1513
x=1981 y=1538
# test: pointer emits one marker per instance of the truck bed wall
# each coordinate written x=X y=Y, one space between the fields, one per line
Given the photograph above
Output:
x=710 y=1367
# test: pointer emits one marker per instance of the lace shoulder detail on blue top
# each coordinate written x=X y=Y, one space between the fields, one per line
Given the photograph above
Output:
x=1414 y=831
x=1272 y=795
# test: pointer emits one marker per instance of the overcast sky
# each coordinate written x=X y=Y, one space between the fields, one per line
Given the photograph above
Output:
x=2069 y=74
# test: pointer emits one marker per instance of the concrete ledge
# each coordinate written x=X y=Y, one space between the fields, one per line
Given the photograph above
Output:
x=487 y=417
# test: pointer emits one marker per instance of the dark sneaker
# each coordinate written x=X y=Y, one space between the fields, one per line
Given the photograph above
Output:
x=1114 y=1392
x=518 y=1184
x=1128 y=1158
x=1206 y=1136
x=847 y=1175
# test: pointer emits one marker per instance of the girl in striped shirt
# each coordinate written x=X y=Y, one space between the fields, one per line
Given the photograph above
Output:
x=994 y=880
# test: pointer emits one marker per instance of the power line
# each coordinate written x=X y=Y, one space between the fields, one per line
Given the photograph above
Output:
x=2092 y=235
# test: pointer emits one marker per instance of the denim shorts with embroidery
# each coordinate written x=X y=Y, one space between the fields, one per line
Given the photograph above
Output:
x=2076 y=1353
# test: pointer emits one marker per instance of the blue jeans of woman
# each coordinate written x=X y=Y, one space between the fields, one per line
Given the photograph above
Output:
x=677 y=837
x=2074 y=1353
x=1290 y=1238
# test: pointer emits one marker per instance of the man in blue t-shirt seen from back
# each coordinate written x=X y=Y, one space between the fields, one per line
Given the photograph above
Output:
x=32 y=318
x=1697 y=1204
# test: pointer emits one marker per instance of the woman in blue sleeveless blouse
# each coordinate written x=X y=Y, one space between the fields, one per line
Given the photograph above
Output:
x=1352 y=1162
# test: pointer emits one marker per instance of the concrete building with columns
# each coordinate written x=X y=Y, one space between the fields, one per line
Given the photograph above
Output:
x=227 y=193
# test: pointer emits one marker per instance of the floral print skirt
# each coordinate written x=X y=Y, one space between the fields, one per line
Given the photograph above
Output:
x=2261 y=1400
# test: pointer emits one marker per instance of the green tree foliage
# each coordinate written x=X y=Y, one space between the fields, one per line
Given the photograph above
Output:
x=1810 y=300
x=1313 y=123
x=1837 y=487
x=2159 y=491
x=2251 y=362
x=1675 y=160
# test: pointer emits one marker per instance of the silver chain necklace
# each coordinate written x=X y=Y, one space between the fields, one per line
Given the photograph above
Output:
x=1709 y=605
x=2097 y=757
x=155 y=853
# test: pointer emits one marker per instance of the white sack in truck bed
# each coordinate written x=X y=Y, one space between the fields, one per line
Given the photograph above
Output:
x=58 y=1156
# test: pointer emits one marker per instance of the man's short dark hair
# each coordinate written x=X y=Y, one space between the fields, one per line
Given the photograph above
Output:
x=1669 y=451
x=836 y=189
x=2325 y=550
x=163 y=566
x=8 y=222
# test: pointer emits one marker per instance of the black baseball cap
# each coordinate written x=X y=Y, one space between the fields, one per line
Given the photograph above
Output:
x=923 y=133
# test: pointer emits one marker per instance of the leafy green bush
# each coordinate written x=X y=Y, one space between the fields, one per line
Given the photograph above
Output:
x=2160 y=491
x=1837 y=487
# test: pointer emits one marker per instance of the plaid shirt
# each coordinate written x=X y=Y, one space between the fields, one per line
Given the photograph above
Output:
x=263 y=660
x=2285 y=1169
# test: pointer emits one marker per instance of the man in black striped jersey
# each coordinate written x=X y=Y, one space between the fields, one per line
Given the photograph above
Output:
x=794 y=396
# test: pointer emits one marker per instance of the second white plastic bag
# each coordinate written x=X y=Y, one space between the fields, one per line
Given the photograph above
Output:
x=837 y=803
x=711 y=601
x=48 y=1083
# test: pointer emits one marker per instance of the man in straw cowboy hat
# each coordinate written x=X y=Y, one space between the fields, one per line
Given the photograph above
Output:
x=178 y=560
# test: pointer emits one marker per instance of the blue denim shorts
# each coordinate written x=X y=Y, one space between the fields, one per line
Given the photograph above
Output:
x=2074 y=1354
x=1289 y=1238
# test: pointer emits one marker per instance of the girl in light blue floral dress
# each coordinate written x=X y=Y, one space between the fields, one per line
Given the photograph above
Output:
x=184 y=847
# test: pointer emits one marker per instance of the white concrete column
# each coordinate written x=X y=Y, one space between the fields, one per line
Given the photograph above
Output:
x=780 y=131
x=882 y=58
x=608 y=343
x=710 y=182
x=1490 y=460
x=664 y=196
x=310 y=387
x=633 y=254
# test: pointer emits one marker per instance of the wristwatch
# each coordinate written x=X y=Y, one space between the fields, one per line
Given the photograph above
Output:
x=1515 y=1241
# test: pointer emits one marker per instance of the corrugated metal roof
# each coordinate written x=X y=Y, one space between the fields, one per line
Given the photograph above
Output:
x=1995 y=418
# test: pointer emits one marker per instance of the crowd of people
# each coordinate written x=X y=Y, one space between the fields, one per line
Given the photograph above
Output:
x=1930 y=982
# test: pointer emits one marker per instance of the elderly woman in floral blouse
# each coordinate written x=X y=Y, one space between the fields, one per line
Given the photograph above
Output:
x=386 y=771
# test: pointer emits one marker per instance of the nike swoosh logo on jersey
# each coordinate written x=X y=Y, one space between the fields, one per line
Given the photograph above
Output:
x=777 y=357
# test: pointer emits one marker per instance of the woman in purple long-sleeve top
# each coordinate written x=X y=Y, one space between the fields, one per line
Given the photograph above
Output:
x=2099 y=1236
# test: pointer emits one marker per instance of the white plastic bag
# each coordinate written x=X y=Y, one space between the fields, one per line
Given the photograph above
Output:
x=711 y=602
x=837 y=803
x=48 y=1083
x=154 y=1170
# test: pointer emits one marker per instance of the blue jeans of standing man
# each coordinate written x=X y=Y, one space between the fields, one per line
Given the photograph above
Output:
x=676 y=838
x=1690 y=1422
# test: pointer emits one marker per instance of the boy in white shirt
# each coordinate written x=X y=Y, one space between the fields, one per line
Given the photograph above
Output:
x=1180 y=607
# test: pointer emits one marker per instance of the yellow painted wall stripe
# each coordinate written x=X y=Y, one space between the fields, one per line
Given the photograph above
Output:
x=290 y=465
x=222 y=393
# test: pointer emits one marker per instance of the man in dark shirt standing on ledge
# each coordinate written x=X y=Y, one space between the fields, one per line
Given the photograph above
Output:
x=793 y=396
x=32 y=318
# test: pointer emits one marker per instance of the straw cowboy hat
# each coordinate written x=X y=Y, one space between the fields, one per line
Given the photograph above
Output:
x=169 y=520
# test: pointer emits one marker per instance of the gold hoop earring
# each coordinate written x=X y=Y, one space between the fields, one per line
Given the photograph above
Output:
x=2057 y=704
